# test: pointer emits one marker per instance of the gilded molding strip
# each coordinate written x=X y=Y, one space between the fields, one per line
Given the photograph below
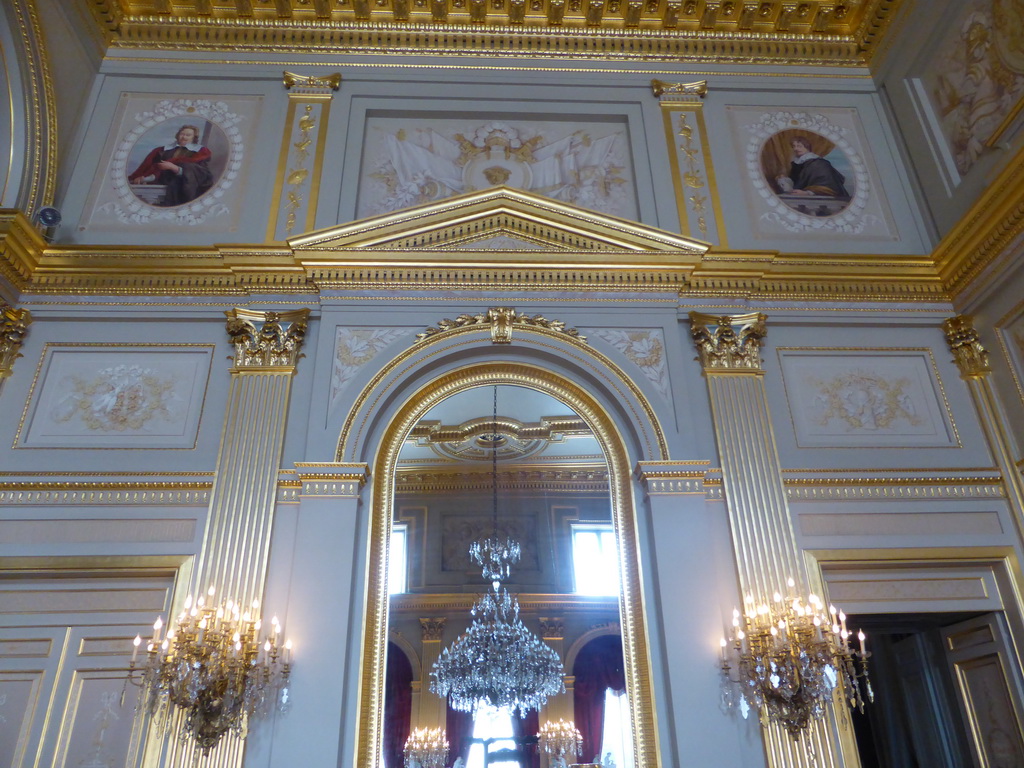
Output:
x=297 y=186
x=148 y=496
x=40 y=174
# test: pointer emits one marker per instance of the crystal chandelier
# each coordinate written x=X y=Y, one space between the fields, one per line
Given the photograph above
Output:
x=789 y=657
x=560 y=739
x=211 y=673
x=427 y=747
x=497 y=662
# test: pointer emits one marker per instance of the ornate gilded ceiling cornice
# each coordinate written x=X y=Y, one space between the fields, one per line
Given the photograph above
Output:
x=985 y=234
x=33 y=267
x=837 y=32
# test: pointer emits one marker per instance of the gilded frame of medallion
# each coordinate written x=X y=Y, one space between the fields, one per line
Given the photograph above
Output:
x=636 y=649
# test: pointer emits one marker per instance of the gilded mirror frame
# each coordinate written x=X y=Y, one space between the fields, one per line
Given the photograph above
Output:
x=635 y=641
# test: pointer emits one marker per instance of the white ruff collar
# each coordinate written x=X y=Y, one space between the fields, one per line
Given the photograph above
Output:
x=804 y=158
x=192 y=147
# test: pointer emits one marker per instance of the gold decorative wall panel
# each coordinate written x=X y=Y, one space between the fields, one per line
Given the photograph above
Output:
x=693 y=172
x=297 y=187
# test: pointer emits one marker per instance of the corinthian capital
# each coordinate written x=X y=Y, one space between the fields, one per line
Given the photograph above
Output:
x=968 y=354
x=728 y=341
x=13 y=326
x=266 y=338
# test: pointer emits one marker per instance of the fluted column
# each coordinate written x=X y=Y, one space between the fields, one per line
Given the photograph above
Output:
x=764 y=541
x=972 y=360
x=236 y=543
x=237 y=539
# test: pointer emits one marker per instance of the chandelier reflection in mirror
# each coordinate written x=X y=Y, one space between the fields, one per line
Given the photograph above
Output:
x=212 y=672
x=560 y=739
x=789 y=657
x=497 y=662
x=426 y=748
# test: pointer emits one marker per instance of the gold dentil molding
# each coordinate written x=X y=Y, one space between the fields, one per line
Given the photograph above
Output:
x=837 y=32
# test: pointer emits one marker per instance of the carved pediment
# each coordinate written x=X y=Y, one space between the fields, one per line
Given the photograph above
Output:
x=498 y=219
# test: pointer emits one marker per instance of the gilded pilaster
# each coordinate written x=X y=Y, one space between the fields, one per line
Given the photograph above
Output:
x=693 y=173
x=971 y=358
x=297 y=186
x=267 y=348
x=13 y=326
x=764 y=541
x=236 y=543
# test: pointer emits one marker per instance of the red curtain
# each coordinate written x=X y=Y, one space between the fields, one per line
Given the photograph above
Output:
x=459 y=726
x=397 y=706
x=597 y=668
x=525 y=729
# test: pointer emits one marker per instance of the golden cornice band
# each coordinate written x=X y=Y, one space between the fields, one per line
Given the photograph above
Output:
x=968 y=353
x=776 y=31
x=312 y=83
x=275 y=342
x=733 y=342
x=553 y=481
x=640 y=262
x=985 y=233
x=13 y=326
x=661 y=88
x=501 y=321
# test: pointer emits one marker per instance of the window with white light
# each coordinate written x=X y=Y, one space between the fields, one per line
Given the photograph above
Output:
x=617 y=744
x=595 y=559
x=398 y=559
x=492 y=732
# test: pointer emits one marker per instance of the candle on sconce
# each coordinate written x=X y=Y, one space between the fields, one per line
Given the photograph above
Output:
x=861 y=637
x=135 y=650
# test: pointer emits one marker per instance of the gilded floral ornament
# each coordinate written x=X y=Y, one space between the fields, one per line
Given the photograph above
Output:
x=501 y=320
x=968 y=353
x=292 y=80
x=734 y=342
x=266 y=338
x=661 y=88
x=13 y=326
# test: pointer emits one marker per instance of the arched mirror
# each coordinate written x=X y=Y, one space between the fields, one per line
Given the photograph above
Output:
x=533 y=464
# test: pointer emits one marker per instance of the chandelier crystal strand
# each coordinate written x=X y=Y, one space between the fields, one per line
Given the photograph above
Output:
x=789 y=656
x=428 y=747
x=214 y=669
x=497 y=662
x=560 y=739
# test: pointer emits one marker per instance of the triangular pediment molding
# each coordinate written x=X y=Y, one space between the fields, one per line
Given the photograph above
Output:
x=462 y=223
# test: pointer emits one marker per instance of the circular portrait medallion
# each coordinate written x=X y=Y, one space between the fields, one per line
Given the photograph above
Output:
x=173 y=164
x=808 y=172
